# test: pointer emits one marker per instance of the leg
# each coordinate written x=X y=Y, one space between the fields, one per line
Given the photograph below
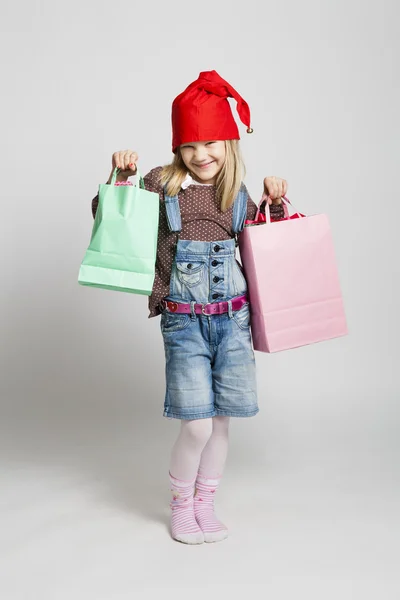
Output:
x=193 y=437
x=214 y=454
x=185 y=460
x=210 y=471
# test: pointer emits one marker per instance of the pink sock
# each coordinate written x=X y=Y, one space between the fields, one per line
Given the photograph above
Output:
x=184 y=527
x=212 y=528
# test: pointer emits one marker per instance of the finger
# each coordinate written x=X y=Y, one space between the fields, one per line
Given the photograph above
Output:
x=133 y=160
x=119 y=160
x=126 y=160
x=267 y=185
x=274 y=193
x=115 y=160
x=129 y=162
x=277 y=189
x=285 y=186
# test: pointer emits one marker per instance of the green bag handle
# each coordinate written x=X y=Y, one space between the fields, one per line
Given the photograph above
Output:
x=139 y=178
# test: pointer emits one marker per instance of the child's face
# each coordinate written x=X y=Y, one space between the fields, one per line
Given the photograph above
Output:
x=204 y=159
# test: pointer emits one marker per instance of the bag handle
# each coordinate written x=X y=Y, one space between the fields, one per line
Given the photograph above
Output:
x=285 y=202
x=139 y=179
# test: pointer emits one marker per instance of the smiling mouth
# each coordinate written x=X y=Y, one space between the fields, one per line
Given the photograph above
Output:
x=205 y=166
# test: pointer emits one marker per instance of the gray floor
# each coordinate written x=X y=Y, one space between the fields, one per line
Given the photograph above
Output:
x=84 y=514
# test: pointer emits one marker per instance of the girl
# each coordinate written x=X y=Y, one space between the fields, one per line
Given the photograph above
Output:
x=200 y=292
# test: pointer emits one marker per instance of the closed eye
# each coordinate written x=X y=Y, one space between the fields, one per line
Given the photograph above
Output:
x=207 y=144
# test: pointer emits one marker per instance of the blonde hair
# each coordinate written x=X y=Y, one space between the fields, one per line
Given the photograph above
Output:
x=228 y=182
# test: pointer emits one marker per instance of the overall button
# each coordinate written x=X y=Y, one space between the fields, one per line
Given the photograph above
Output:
x=215 y=263
x=216 y=279
x=215 y=296
x=217 y=248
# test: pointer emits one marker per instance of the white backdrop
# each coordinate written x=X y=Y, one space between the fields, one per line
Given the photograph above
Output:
x=82 y=370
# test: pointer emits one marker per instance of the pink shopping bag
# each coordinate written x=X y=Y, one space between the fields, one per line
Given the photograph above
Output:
x=293 y=282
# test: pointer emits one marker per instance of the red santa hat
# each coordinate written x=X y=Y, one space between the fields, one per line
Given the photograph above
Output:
x=202 y=112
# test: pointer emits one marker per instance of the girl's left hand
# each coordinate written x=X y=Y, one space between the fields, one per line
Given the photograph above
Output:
x=275 y=188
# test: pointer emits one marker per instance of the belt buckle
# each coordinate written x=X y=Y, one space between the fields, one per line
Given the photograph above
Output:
x=172 y=306
x=203 y=307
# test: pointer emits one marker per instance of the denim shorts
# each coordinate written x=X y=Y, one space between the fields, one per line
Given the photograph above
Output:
x=210 y=365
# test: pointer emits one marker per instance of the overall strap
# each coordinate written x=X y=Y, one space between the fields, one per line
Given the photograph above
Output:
x=239 y=210
x=173 y=212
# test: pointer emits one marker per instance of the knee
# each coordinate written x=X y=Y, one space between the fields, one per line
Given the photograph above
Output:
x=198 y=431
x=221 y=426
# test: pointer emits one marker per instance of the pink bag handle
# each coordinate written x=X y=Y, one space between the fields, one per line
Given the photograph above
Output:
x=285 y=202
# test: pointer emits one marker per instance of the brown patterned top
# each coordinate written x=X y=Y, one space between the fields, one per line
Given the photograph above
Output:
x=202 y=220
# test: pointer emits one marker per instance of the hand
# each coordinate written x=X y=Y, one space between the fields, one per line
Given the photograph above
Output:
x=275 y=188
x=126 y=161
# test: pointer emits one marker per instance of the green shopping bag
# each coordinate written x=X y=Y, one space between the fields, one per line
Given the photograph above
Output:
x=123 y=247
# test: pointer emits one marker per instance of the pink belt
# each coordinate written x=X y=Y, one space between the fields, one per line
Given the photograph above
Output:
x=213 y=308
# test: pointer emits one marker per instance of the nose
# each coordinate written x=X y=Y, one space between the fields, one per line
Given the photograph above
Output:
x=200 y=156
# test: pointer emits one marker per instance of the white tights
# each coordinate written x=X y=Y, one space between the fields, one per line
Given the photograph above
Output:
x=202 y=446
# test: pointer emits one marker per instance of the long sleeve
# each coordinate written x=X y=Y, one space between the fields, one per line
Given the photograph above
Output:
x=95 y=203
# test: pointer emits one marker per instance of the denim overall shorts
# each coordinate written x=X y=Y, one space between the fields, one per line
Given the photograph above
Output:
x=210 y=365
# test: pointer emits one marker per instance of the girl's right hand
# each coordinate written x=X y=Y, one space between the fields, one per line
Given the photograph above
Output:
x=125 y=160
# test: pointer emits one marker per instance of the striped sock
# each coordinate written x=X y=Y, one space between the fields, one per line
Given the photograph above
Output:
x=184 y=527
x=213 y=529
